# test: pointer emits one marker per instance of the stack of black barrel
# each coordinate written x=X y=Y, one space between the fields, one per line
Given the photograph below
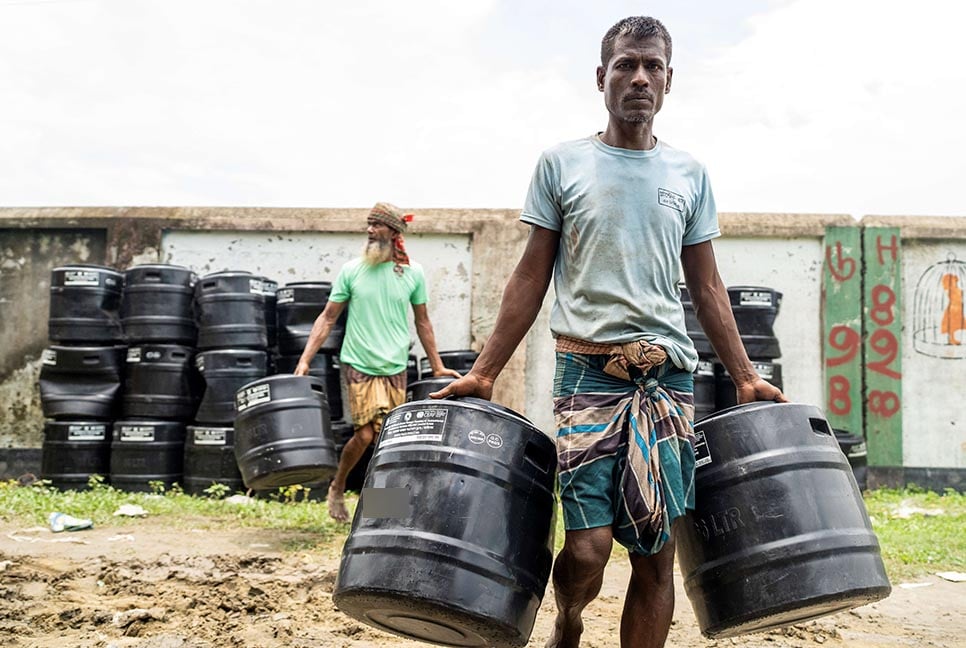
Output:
x=298 y=304
x=233 y=309
x=755 y=309
x=161 y=385
x=81 y=373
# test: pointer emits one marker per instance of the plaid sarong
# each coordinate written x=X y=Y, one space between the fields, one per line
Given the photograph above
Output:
x=372 y=397
x=625 y=448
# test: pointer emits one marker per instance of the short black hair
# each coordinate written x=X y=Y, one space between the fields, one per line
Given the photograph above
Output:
x=638 y=28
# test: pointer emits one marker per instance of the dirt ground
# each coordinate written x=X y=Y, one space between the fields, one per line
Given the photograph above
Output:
x=150 y=586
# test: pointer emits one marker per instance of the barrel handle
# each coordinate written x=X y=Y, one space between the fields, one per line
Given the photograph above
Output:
x=317 y=387
x=244 y=362
x=152 y=276
x=178 y=354
x=91 y=360
x=538 y=457
x=205 y=285
x=820 y=426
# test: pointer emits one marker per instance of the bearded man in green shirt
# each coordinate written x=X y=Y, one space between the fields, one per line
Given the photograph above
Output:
x=381 y=285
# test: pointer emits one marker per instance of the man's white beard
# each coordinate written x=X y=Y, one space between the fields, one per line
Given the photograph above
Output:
x=376 y=251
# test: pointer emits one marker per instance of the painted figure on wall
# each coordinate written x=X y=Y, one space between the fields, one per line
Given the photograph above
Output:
x=953 y=318
x=939 y=314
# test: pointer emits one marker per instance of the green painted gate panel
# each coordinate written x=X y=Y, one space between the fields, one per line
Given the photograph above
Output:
x=882 y=322
x=842 y=328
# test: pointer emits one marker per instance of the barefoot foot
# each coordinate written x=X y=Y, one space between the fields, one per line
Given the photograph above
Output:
x=566 y=633
x=336 y=502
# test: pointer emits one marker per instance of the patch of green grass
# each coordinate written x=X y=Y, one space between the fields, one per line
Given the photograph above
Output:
x=920 y=532
x=289 y=509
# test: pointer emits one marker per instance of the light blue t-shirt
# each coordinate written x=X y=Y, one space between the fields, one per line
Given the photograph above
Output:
x=623 y=217
x=376 y=340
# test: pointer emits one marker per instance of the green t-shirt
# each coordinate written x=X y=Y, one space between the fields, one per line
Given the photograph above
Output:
x=376 y=338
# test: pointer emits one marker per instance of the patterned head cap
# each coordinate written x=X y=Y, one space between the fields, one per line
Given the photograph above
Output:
x=391 y=216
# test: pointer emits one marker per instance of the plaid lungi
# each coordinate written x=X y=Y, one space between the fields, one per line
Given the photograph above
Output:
x=625 y=448
x=372 y=397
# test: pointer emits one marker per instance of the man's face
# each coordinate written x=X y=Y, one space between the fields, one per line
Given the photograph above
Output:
x=635 y=79
x=379 y=231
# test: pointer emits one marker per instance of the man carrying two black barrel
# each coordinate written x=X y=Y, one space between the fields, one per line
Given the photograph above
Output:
x=611 y=217
x=381 y=285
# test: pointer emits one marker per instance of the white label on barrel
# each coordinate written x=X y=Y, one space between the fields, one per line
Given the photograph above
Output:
x=754 y=298
x=87 y=432
x=285 y=296
x=252 y=396
x=110 y=281
x=255 y=286
x=49 y=357
x=134 y=354
x=136 y=433
x=705 y=368
x=269 y=287
x=765 y=369
x=200 y=362
x=702 y=454
x=421 y=426
x=81 y=278
x=209 y=436
x=476 y=436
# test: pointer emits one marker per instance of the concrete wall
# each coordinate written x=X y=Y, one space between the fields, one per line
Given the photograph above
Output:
x=933 y=361
x=317 y=256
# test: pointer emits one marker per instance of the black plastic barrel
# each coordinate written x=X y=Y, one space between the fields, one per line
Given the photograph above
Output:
x=452 y=540
x=725 y=394
x=342 y=431
x=755 y=309
x=157 y=304
x=85 y=303
x=224 y=371
x=283 y=434
x=779 y=534
x=73 y=451
x=144 y=452
x=461 y=360
x=855 y=451
x=269 y=290
x=704 y=390
x=209 y=458
x=81 y=382
x=161 y=382
x=412 y=370
x=230 y=308
x=298 y=305
x=421 y=389
x=325 y=367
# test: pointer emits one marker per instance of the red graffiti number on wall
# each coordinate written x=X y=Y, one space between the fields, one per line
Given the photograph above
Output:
x=883 y=305
x=839 y=401
x=883 y=403
x=842 y=338
x=843 y=267
x=885 y=344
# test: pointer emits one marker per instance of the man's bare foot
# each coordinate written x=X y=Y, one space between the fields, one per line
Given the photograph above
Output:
x=566 y=633
x=336 y=501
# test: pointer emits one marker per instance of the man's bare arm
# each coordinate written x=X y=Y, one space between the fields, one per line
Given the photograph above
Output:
x=424 y=330
x=320 y=330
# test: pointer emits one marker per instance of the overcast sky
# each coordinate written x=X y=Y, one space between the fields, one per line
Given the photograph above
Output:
x=844 y=106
